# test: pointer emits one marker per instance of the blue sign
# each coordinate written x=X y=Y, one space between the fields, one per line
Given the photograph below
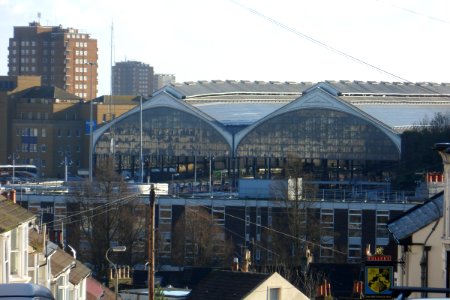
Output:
x=88 y=127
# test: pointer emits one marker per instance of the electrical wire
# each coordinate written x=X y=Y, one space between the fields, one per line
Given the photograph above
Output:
x=317 y=42
x=277 y=231
x=415 y=12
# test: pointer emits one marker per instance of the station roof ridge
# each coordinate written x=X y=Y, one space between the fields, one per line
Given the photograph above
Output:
x=205 y=88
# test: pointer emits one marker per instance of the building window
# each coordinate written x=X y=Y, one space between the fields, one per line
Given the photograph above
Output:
x=15 y=252
x=44 y=132
x=382 y=234
x=326 y=233
x=354 y=223
x=43 y=148
x=274 y=293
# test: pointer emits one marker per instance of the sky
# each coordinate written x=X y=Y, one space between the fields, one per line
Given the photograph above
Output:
x=267 y=40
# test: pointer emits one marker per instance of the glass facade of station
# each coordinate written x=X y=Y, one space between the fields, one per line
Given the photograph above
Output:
x=170 y=139
x=330 y=144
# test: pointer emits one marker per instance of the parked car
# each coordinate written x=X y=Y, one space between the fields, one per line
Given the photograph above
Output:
x=25 y=291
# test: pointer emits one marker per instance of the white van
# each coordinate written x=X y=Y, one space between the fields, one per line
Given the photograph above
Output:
x=25 y=291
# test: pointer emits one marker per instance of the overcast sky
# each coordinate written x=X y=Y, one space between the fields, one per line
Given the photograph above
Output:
x=269 y=40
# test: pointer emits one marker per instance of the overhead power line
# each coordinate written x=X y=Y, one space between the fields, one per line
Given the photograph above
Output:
x=415 y=12
x=315 y=41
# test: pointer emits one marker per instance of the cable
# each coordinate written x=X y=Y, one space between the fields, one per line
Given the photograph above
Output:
x=237 y=234
x=111 y=203
x=315 y=41
x=277 y=231
x=415 y=12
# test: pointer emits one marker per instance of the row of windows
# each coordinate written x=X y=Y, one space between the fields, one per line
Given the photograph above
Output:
x=81 y=61
x=81 y=44
x=24 y=69
x=81 y=78
x=81 y=86
x=81 y=53
x=77 y=36
x=24 y=43
x=32 y=147
x=81 y=69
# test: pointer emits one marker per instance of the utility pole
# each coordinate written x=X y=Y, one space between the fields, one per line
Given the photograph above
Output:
x=151 y=246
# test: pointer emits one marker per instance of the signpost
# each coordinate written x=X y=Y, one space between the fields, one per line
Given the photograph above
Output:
x=378 y=277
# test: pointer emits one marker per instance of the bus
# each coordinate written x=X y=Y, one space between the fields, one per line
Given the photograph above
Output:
x=19 y=171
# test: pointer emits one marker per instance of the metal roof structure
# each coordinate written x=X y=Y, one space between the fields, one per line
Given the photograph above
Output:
x=242 y=102
x=202 y=90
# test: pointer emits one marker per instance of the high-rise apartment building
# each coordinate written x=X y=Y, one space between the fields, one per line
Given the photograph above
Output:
x=63 y=57
x=160 y=80
x=132 y=78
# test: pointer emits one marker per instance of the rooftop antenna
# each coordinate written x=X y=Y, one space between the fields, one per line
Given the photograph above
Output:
x=39 y=17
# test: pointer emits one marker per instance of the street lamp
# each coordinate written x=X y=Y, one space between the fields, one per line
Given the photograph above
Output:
x=173 y=187
x=115 y=249
x=91 y=125
x=13 y=157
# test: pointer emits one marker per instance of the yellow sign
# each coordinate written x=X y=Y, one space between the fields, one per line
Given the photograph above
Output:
x=378 y=280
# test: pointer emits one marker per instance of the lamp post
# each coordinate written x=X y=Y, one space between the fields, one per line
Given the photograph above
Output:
x=173 y=187
x=91 y=124
x=13 y=157
x=141 y=156
x=115 y=249
x=211 y=186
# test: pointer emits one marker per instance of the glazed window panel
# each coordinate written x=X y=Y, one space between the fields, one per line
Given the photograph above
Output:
x=319 y=133
x=166 y=131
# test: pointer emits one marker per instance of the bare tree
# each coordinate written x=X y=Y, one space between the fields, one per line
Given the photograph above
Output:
x=198 y=241
x=107 y=214
x=298 y=220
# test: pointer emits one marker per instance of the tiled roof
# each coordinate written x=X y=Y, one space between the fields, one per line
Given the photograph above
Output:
x=79 y=273
x=12 y=215
x=227 y=285
x=61 y=260
x=417 y=217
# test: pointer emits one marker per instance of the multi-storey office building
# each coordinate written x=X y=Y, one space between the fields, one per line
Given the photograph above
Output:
x=160 y=80
x=8 y=86
x=63 y=57
x=132 y=78
x=48 y=127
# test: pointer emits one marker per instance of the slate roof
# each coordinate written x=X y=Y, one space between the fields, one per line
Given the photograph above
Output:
x=61 y=260
x=417 y=217
x=227 y=285
x=12 y=215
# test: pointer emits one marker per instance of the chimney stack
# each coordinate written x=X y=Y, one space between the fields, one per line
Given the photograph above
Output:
x=12 y=196
x=235 y=265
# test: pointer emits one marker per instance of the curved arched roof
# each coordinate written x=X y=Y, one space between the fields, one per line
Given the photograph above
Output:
x=319 y=125
x=170 y=124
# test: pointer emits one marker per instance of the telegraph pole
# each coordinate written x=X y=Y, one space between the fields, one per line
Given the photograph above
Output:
x=151 y=246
